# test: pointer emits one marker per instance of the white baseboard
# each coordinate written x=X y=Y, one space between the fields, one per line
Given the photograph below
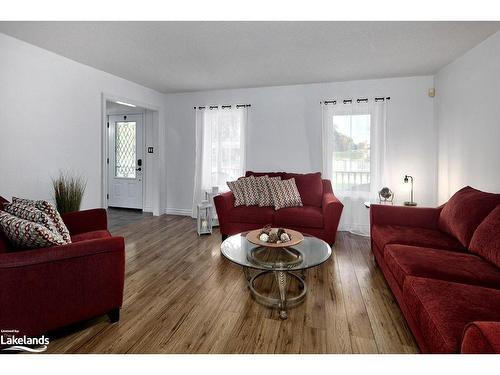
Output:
x=178 y=211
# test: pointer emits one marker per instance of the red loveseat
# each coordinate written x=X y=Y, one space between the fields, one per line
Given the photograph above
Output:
x=49 y=288
x=319 y=216
x=443 y=266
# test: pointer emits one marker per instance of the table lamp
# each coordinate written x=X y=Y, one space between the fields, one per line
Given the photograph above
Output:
x=411 y=202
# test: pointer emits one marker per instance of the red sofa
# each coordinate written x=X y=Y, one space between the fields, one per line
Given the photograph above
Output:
x=443 y=266
x=319 y=216
x=49 y=288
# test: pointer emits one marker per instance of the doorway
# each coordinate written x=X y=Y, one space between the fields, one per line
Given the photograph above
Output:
x=132 y=171
x=125 y=161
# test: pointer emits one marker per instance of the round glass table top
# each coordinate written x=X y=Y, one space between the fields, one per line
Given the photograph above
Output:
x=310 y=252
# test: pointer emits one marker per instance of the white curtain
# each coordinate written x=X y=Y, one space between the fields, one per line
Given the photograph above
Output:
x=220 y=148
x=354 y=157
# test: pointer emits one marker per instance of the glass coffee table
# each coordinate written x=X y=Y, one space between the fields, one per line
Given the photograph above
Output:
x=285 y=263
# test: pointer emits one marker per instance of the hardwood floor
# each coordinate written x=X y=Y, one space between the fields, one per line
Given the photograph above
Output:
x=181 y=296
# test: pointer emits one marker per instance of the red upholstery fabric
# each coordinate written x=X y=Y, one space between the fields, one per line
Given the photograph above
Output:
x=421 y=217
x=86 y=221
x=486 y=239
x=251 y=214
x=481 y=338
x=306 y=220
x=389 y=234
x=49 y=288
x=269 y=174
x=306 y=216
x=442 y=309
x=310 y=187
x=91 y=235
x=440 y=264
x=465 y=210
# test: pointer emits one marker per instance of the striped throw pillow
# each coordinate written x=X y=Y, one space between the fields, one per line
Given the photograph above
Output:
x=236 y=188
x=285 y=193
x=250 y=190
x=265 y=196
x=26 y=234
x=48 y=209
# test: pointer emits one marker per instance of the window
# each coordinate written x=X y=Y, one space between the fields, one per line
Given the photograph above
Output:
x=125 y=149
x=223 y=129
x=220 y=148
x=354 y=156
x=351 y=152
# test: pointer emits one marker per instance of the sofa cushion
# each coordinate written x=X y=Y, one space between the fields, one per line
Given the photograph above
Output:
x=440 y=264
x=24 y=234
x=50 y=210
x=284 y=193
x=442 y=309
x=251 y=214
x=237 y=189
x=388 y=234
x=486 y=239
x=465 y=210
x=310 y=187
x=265 y=198
x=306 y=216
x=91 y=235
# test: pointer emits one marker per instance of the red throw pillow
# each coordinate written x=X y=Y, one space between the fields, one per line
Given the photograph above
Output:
x=486 y=239
x=465 y=210
x=310 y=187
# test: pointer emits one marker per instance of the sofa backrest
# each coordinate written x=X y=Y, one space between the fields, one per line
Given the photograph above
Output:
x=465 y=210
x=486 y=239
x=310 y=185
x=4 y=242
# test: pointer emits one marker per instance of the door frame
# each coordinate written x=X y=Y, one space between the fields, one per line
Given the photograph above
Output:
x=157 y=133
x=143 y=145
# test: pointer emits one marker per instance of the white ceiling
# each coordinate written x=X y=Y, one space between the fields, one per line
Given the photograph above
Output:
x=192 y=56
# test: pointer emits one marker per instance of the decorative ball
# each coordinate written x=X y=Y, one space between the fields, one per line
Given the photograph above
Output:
x=273 y=237
x=285 y=237
x=264 y=237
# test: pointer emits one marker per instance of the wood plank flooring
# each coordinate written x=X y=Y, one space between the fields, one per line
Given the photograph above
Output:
x=181 y=296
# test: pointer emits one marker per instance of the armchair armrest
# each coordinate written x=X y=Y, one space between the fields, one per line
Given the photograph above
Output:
x=422 y=217
x=61 y=253
x=481 y=338
x=86 y=221
x=223 y=204
x=332 y=211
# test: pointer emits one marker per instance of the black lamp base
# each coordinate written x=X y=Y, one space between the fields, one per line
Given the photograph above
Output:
x=411 y=204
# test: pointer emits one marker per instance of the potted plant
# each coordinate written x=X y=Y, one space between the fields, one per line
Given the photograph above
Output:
x=68 y=192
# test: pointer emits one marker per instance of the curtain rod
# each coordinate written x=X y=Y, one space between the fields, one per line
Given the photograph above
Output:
x=224 y=106
x=359 y=100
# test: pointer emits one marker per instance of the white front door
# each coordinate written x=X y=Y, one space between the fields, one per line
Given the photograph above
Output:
x=126 y=161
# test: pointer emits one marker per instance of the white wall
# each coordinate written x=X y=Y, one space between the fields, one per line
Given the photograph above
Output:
x=284 y=132
x=50 y=119
x=468 y=117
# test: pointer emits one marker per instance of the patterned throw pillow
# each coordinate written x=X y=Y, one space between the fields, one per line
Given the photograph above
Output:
x=237 y=189
x=26 y=234
x=49 y=210
x=265 y=196
x=285 y=193
x=250 y=190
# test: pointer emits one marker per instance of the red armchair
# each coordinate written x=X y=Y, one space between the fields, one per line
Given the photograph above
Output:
x=319 y=216
x=443 y=266
x=45 y=289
